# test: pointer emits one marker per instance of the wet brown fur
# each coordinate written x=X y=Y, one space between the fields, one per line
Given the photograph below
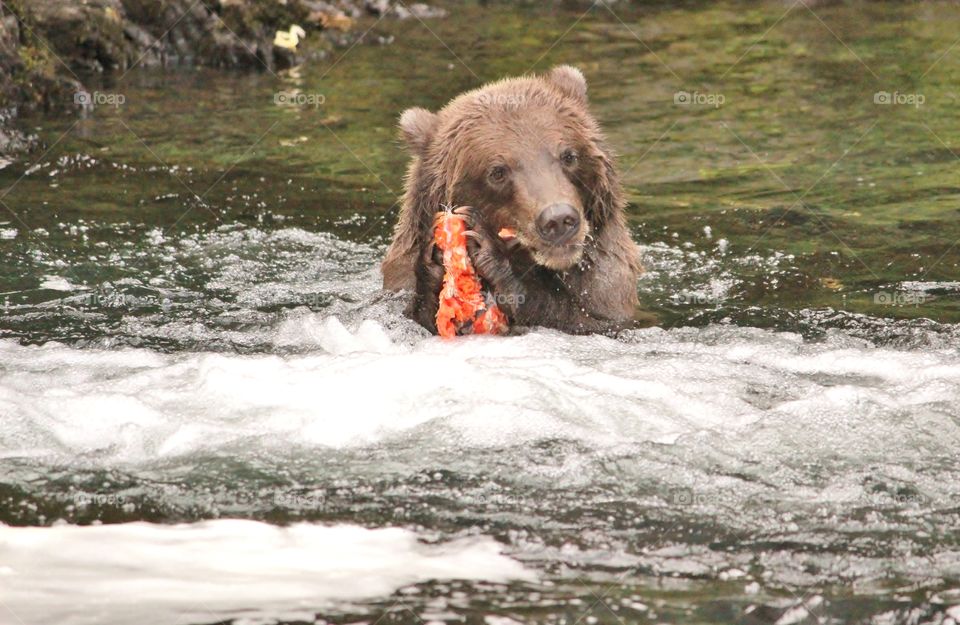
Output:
x=528 y=126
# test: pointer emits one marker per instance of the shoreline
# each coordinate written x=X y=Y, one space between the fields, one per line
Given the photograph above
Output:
x=47 y=47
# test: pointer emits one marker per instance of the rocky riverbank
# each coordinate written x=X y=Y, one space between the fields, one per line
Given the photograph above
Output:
x=47 y=47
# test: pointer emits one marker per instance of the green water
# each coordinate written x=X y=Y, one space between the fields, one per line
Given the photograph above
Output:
x=798 y=159
x=787 y=197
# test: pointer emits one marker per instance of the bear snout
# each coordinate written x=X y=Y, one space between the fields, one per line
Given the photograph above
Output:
x=557 y=223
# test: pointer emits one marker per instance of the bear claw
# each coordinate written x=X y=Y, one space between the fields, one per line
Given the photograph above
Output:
x=489 y=260
x=432 y=262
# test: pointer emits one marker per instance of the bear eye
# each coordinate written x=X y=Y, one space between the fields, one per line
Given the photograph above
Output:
x=497 y=173
x=569 y=157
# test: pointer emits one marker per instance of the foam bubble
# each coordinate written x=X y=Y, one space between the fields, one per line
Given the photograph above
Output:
x=356 y=386
x=216 y=571
x=57 y=283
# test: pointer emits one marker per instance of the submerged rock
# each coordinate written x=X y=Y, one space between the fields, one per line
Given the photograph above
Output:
x=12 y=139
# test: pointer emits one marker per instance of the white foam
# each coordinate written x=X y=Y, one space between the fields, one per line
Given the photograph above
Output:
x=362 y=388
x=57 y=283
x=922 y=286
x=333 y=337
x=221 y=570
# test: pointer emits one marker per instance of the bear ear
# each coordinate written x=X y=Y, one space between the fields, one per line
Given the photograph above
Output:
x=570 y=81
x=417 y=126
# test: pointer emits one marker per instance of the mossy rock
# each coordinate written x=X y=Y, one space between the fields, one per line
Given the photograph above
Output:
x=31 y=76
x=87 y=36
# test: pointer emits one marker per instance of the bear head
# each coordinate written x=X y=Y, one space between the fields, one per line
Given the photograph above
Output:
x=527 y=155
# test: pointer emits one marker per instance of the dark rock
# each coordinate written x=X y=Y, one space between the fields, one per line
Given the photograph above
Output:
x=9 y=57
x=89 y=34
x=284 y=58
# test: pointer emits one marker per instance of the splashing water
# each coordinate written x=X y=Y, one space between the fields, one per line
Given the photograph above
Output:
x=212 y=413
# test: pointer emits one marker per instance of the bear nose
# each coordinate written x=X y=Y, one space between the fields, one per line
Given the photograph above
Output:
x=557 y=223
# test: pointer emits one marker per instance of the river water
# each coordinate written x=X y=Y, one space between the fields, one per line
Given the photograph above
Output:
x=211 y=413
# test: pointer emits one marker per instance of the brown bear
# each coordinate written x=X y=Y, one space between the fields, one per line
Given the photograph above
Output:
x=524 y=154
